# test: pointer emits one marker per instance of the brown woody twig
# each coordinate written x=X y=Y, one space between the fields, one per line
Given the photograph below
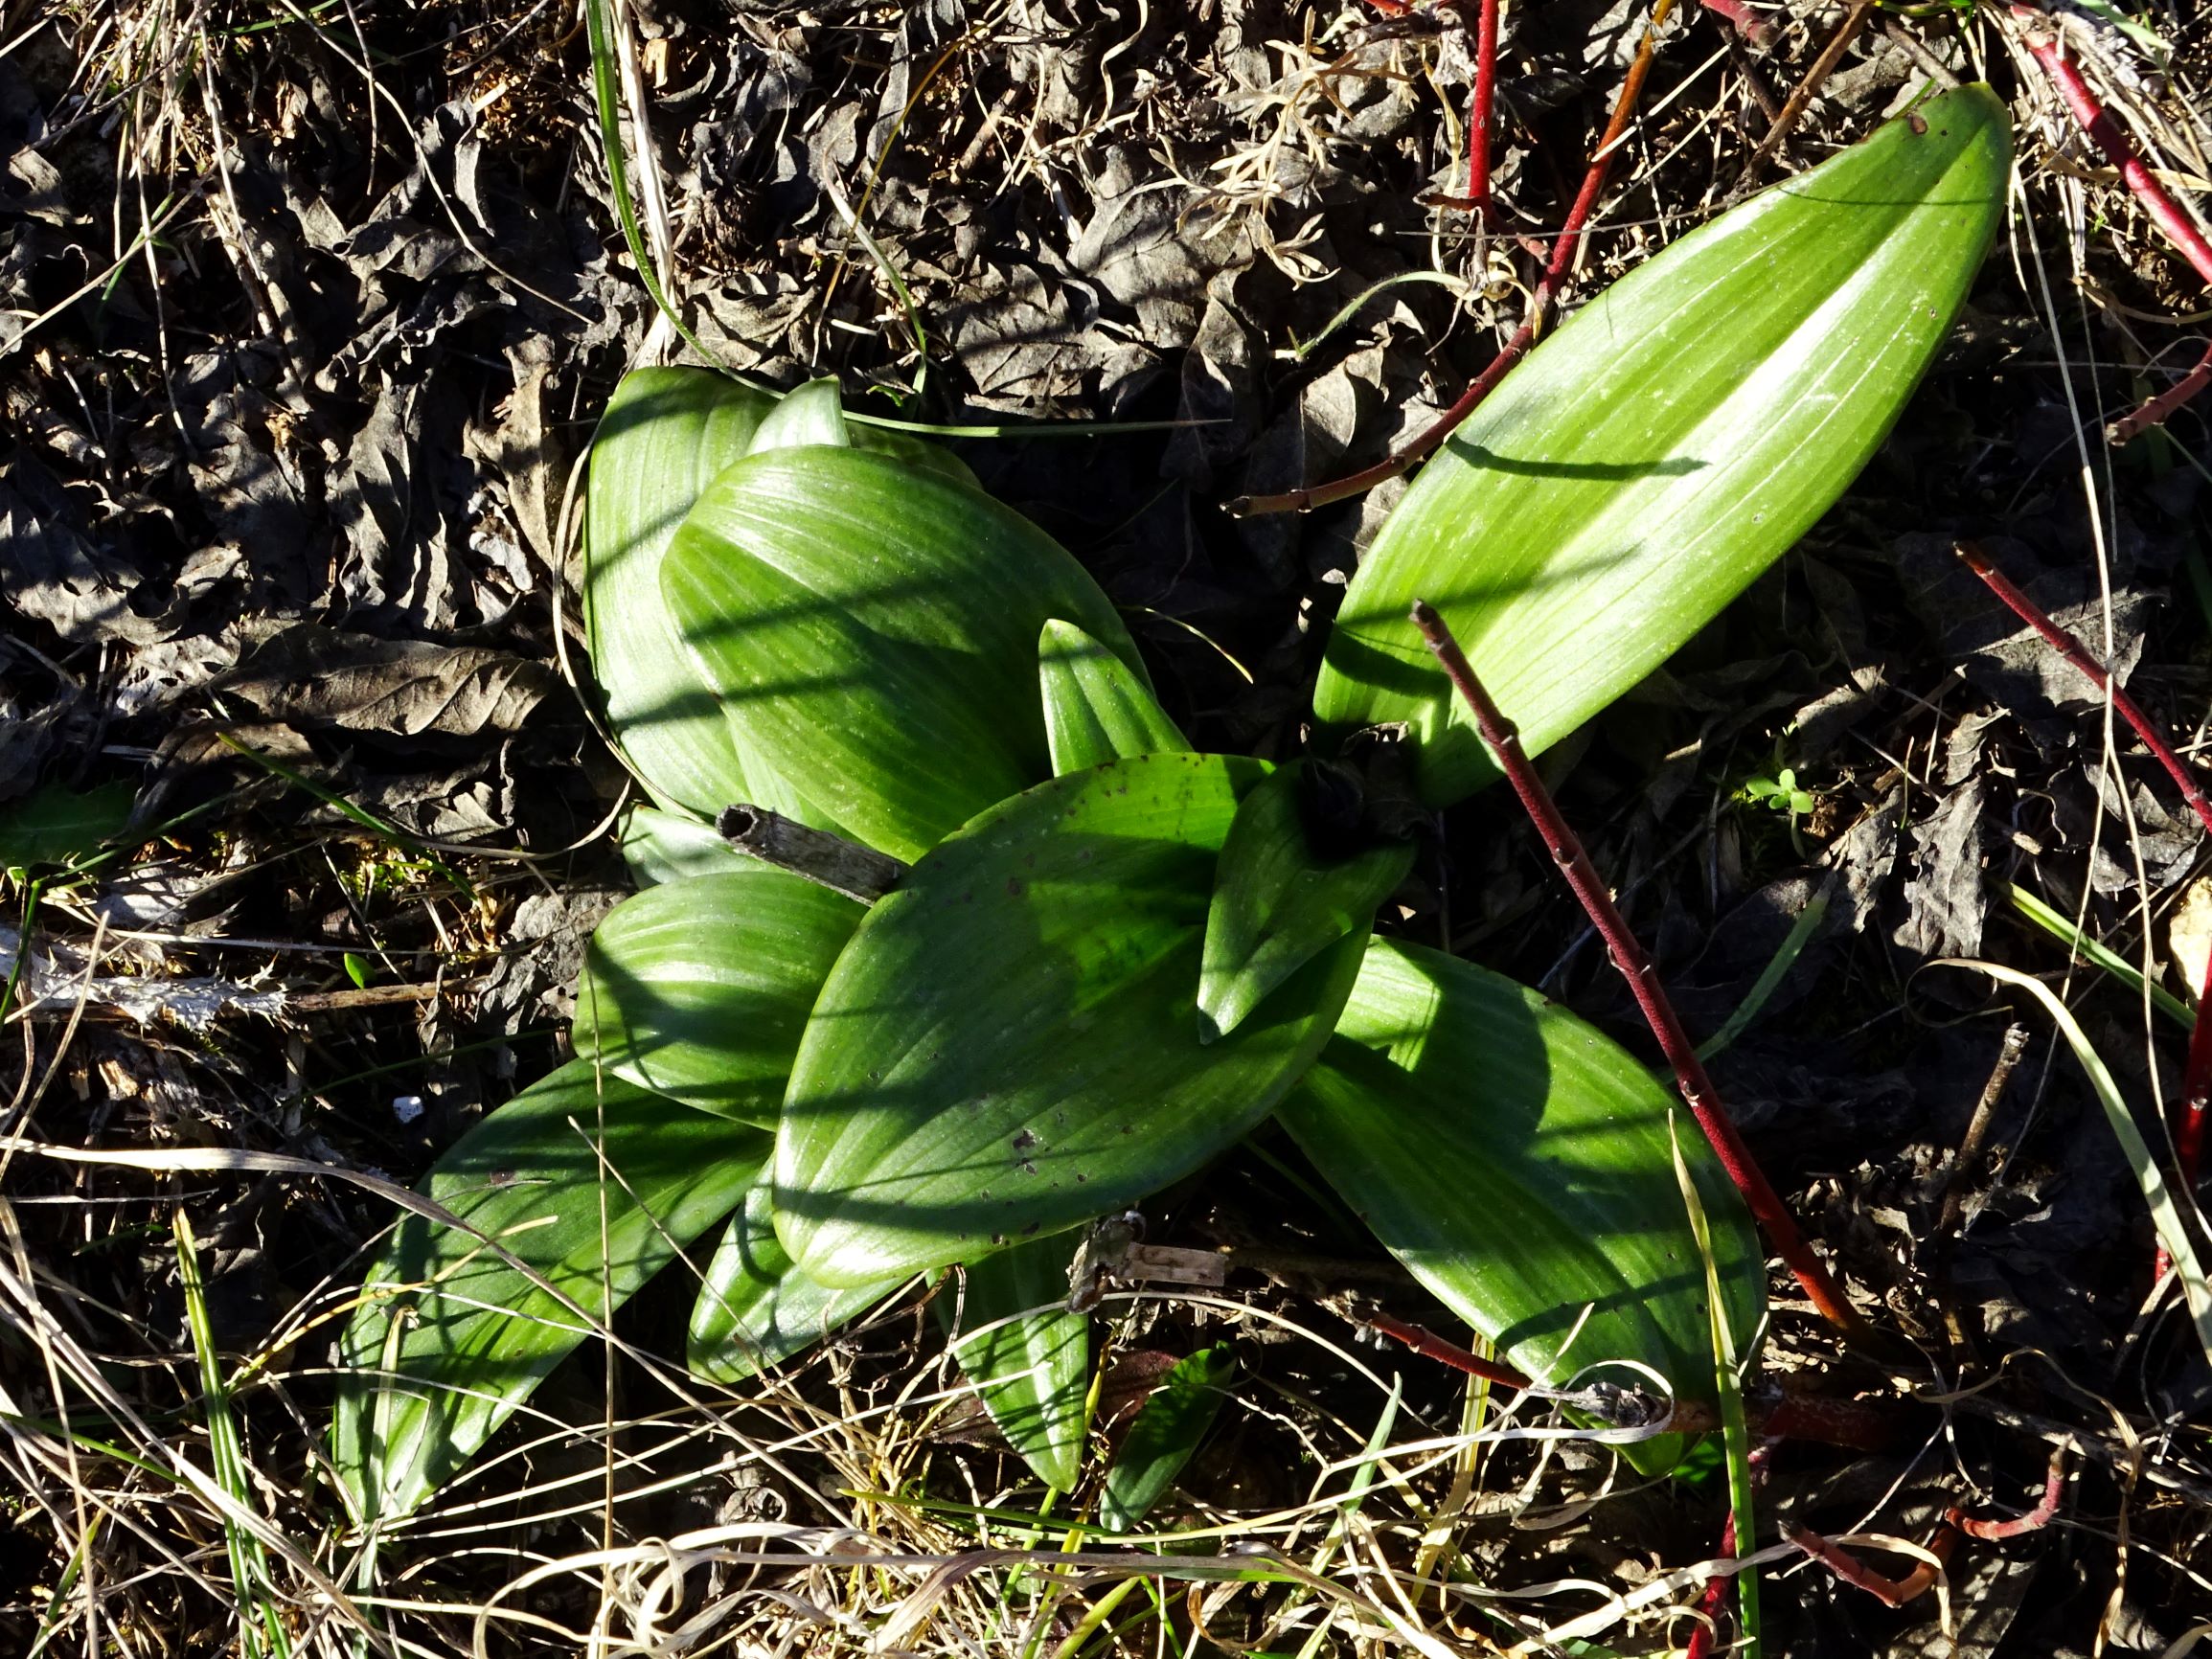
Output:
x=1636 y=968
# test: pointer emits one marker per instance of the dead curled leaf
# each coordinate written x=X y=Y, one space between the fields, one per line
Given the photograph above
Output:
x=317 y=676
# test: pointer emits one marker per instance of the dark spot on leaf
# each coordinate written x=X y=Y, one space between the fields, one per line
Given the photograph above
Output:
x=1919 y=124
x=1027 y=1231
x=502 y=1177
x=1024 y=1141
x=1013 y=887
x=1081 y=1177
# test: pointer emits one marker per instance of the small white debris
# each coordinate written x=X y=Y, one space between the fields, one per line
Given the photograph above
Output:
x=406 y=1107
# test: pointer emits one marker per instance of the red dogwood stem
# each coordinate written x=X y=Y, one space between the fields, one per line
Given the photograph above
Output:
x=2197 y=1074
x=1637 y=968
x=2076 y=653
x=1430 y=1346
x=2180 y=229
x=1479 y=117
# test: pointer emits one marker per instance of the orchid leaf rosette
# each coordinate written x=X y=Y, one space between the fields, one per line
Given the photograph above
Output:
x=1110 y=957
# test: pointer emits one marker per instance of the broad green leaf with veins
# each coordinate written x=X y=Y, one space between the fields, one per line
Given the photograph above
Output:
x=698 y=990
x=1096 y=707
x=664 y=437
x=589 y=1181
x=1031 y=1369
x=755 y=1309
x=1008 y=1046
x=872 y=628
x=1280 y=896
x=1669 y=442
x=1516 y=1160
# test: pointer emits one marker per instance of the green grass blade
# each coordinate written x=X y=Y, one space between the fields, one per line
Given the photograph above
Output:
x=260 y=1620
x=2166 y=1211
x=2061 y=927
x=1735 y=1432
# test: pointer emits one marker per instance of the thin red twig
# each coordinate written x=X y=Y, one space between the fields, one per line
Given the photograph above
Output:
x=1430 y=1346
x=1478 y=118
x=2180 y=229
x=1636 y=968
x=2076 y=653
x=1747 y=23
x=1896 y=1592
x=2034 y=1520
x=1555 y=268
x=1700 y=1643
x=2197 y=1074
x=2159 y=409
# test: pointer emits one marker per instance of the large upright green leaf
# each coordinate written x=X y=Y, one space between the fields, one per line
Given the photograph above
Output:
x=698 y=990
x=871 y=628
x=1031 y=1369
x=755 y=1309
x=1516 y=1160
x=1007 y=1047
x=1096 y=707
x=592 y=1183
x=1281 y=895
x=1671 y=440
x=665 y=435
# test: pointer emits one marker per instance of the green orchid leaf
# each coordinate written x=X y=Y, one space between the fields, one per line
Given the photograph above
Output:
x=660 y=846
x=755 y=1309
x=808 y=414
x=1670 y=442
x=1517 y=1162
x=1031 y=1369
x=1096 y=708
x=1006 y=1048
x=871 y=627
x=700 y=989
x=1167 y=1430
x=1281 y=896
x=665 y=436
x=594 y=1185
x=57 y=826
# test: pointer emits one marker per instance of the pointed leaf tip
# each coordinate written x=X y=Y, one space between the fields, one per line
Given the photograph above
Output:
x=1281 y=896
x=1669 y=442
x=1097 y=708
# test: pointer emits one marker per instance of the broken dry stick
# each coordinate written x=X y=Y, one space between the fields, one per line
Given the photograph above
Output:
x=1636 y=968
x=859 y=873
